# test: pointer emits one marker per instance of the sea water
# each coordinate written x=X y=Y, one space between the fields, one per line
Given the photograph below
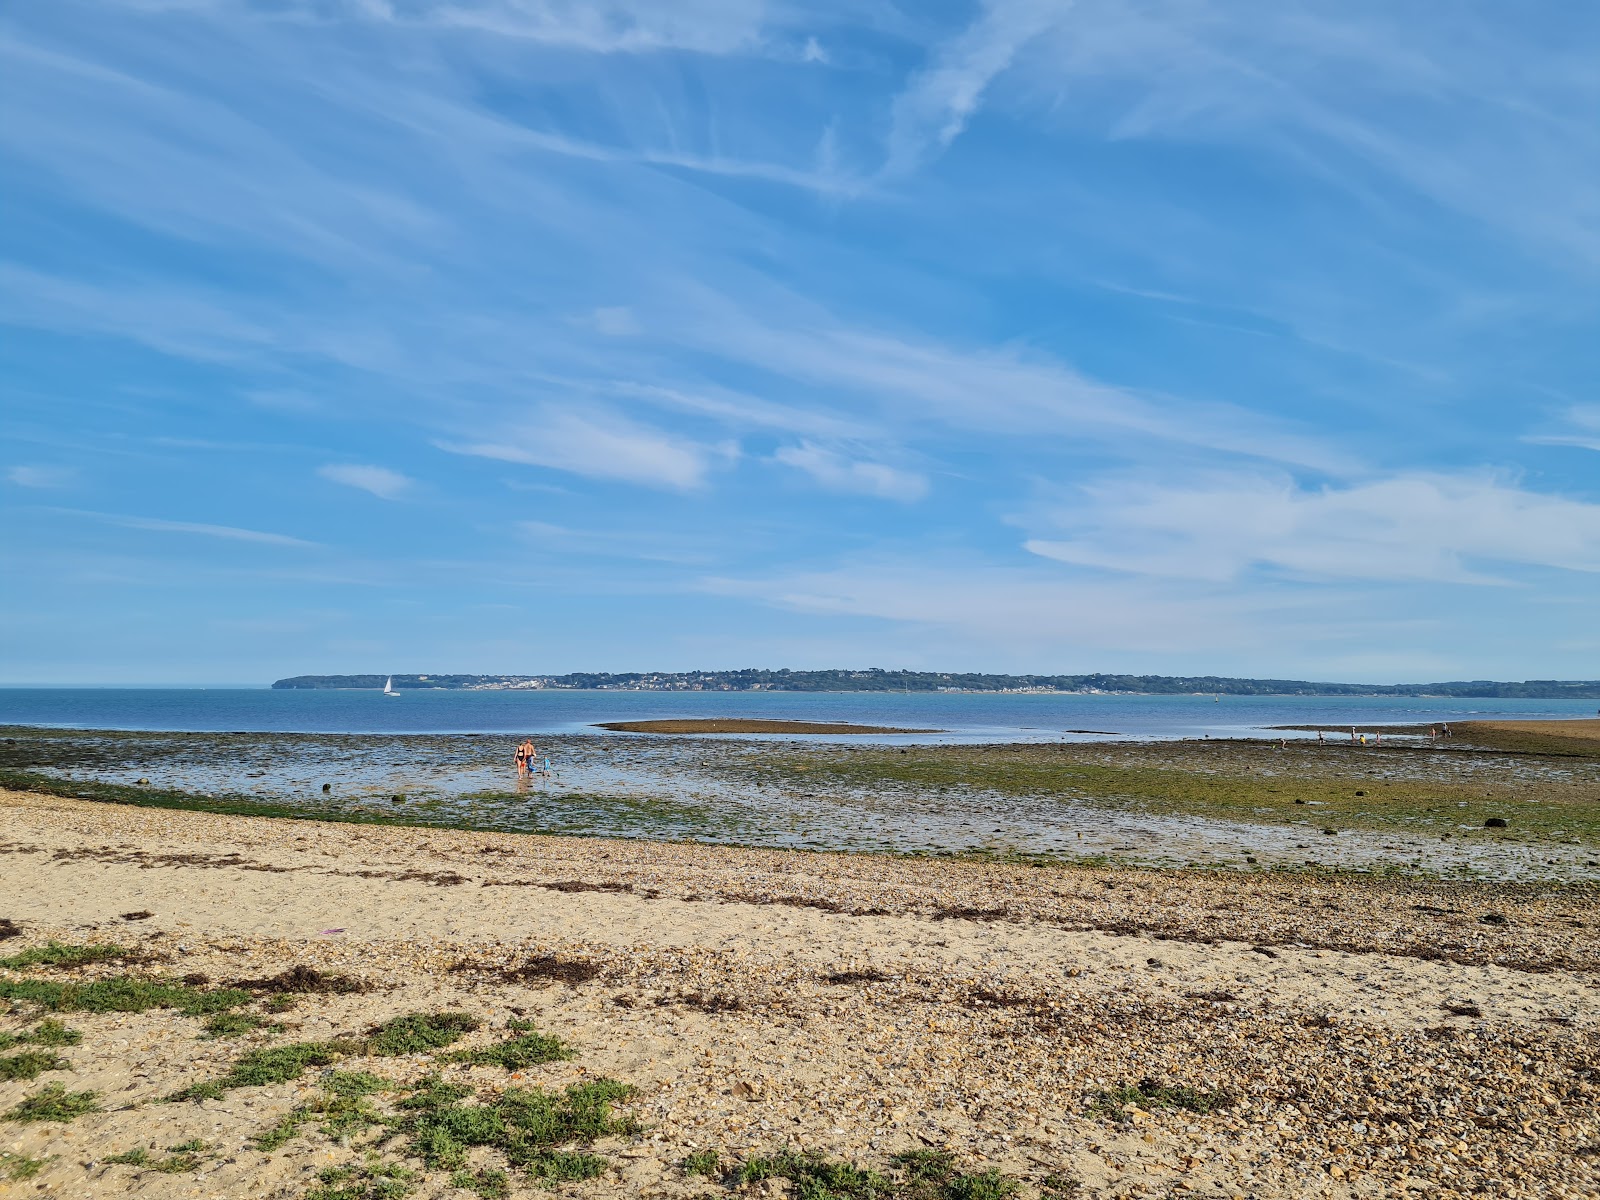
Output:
x=957 y=716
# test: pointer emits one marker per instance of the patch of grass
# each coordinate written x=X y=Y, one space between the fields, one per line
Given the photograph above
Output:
x=18 y=1167
x=985 y=1185
x=233 y=1024
x=48 y=1032
x=282 y=1002
x=918 y=1175
x=51 y=1032
x=702 y=1162
x=564 y=1166
x=529 y=1048
x=937 y=1165
x=30 y=1064
x=1150 y=1095
x=490 y=1183
x=54 y=1103
x=419 y=1032
x=124 y=993
x=1058 y=1187
x=179 y=1159
x=817 y=1177
x=271 y=1064
x=343 y=1108
x=59 y=954
x=531 y=1127
x=372 y=1180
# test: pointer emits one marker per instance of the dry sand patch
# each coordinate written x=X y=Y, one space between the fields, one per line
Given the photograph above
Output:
x=975 y=1006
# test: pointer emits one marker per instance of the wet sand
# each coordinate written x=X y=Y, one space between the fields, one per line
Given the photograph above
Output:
x=1362 y=1037
x=1408 y=807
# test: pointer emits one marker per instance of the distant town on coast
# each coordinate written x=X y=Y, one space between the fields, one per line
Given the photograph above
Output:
x=879 y=680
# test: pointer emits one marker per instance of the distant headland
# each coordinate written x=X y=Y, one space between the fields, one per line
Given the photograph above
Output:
x=879 y=680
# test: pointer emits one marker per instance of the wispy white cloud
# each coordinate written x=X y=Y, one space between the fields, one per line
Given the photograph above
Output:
x=600 y=445
x=380 y=481
x=200 y=529
x=1004 y=391
x=840 y=473
x=1440 y=528
x=1581 y=428
x=940 y=100
x=41 y=477
x=993 y=605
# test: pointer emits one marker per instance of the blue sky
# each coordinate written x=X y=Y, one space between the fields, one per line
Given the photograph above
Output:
x=506 y=335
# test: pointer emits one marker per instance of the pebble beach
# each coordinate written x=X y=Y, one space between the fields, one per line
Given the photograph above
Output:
x=1055 y=1030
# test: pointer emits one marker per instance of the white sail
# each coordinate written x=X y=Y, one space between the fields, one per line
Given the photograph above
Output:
x=388 y=687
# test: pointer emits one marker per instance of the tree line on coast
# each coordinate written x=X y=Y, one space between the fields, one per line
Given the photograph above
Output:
x=877 y=679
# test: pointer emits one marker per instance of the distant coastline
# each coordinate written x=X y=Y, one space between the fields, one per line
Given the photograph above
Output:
x=878 y=680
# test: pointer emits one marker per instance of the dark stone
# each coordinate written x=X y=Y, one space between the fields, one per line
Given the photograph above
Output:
x=1494 y=919
x=1361 y=793
x=1330 y=831
x=327 y=787
x=1495 y=823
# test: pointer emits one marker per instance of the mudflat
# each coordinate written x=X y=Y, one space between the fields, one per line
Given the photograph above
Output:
x=1581 y=736
x=748 y=725
x=269 y=1006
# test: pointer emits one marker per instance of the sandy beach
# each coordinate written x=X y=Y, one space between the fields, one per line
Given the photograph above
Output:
x=1062 y=1030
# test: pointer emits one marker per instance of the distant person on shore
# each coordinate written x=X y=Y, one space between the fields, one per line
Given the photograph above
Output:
x=526 y=756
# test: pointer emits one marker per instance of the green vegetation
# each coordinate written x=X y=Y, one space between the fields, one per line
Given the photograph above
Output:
x=1059 y=1187
x=48 y=1032
x=343 y=1108
x=918 y=1175
x=233 y=1024
x=18 y=1167
x=529 y=1048
x=173 y=798
x=54 y=1103
x=57 y=954
x=30 y=1064
x=179 y=1159
x=122 y=994
x=419 y=1032
x=1150 y=1095
x=490 y=1183
x=372 y=1180
x=531 y=1127
x=411 y=1034
x=1243 y=781
x=913 y=1175
x=702 y=1162
x=271 y=1064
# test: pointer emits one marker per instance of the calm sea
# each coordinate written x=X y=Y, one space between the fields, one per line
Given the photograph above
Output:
x=964 y=717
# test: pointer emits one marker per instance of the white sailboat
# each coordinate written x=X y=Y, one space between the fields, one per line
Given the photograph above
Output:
x=388 y=687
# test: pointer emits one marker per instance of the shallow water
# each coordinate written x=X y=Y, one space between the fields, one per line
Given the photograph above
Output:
x=964 y=716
